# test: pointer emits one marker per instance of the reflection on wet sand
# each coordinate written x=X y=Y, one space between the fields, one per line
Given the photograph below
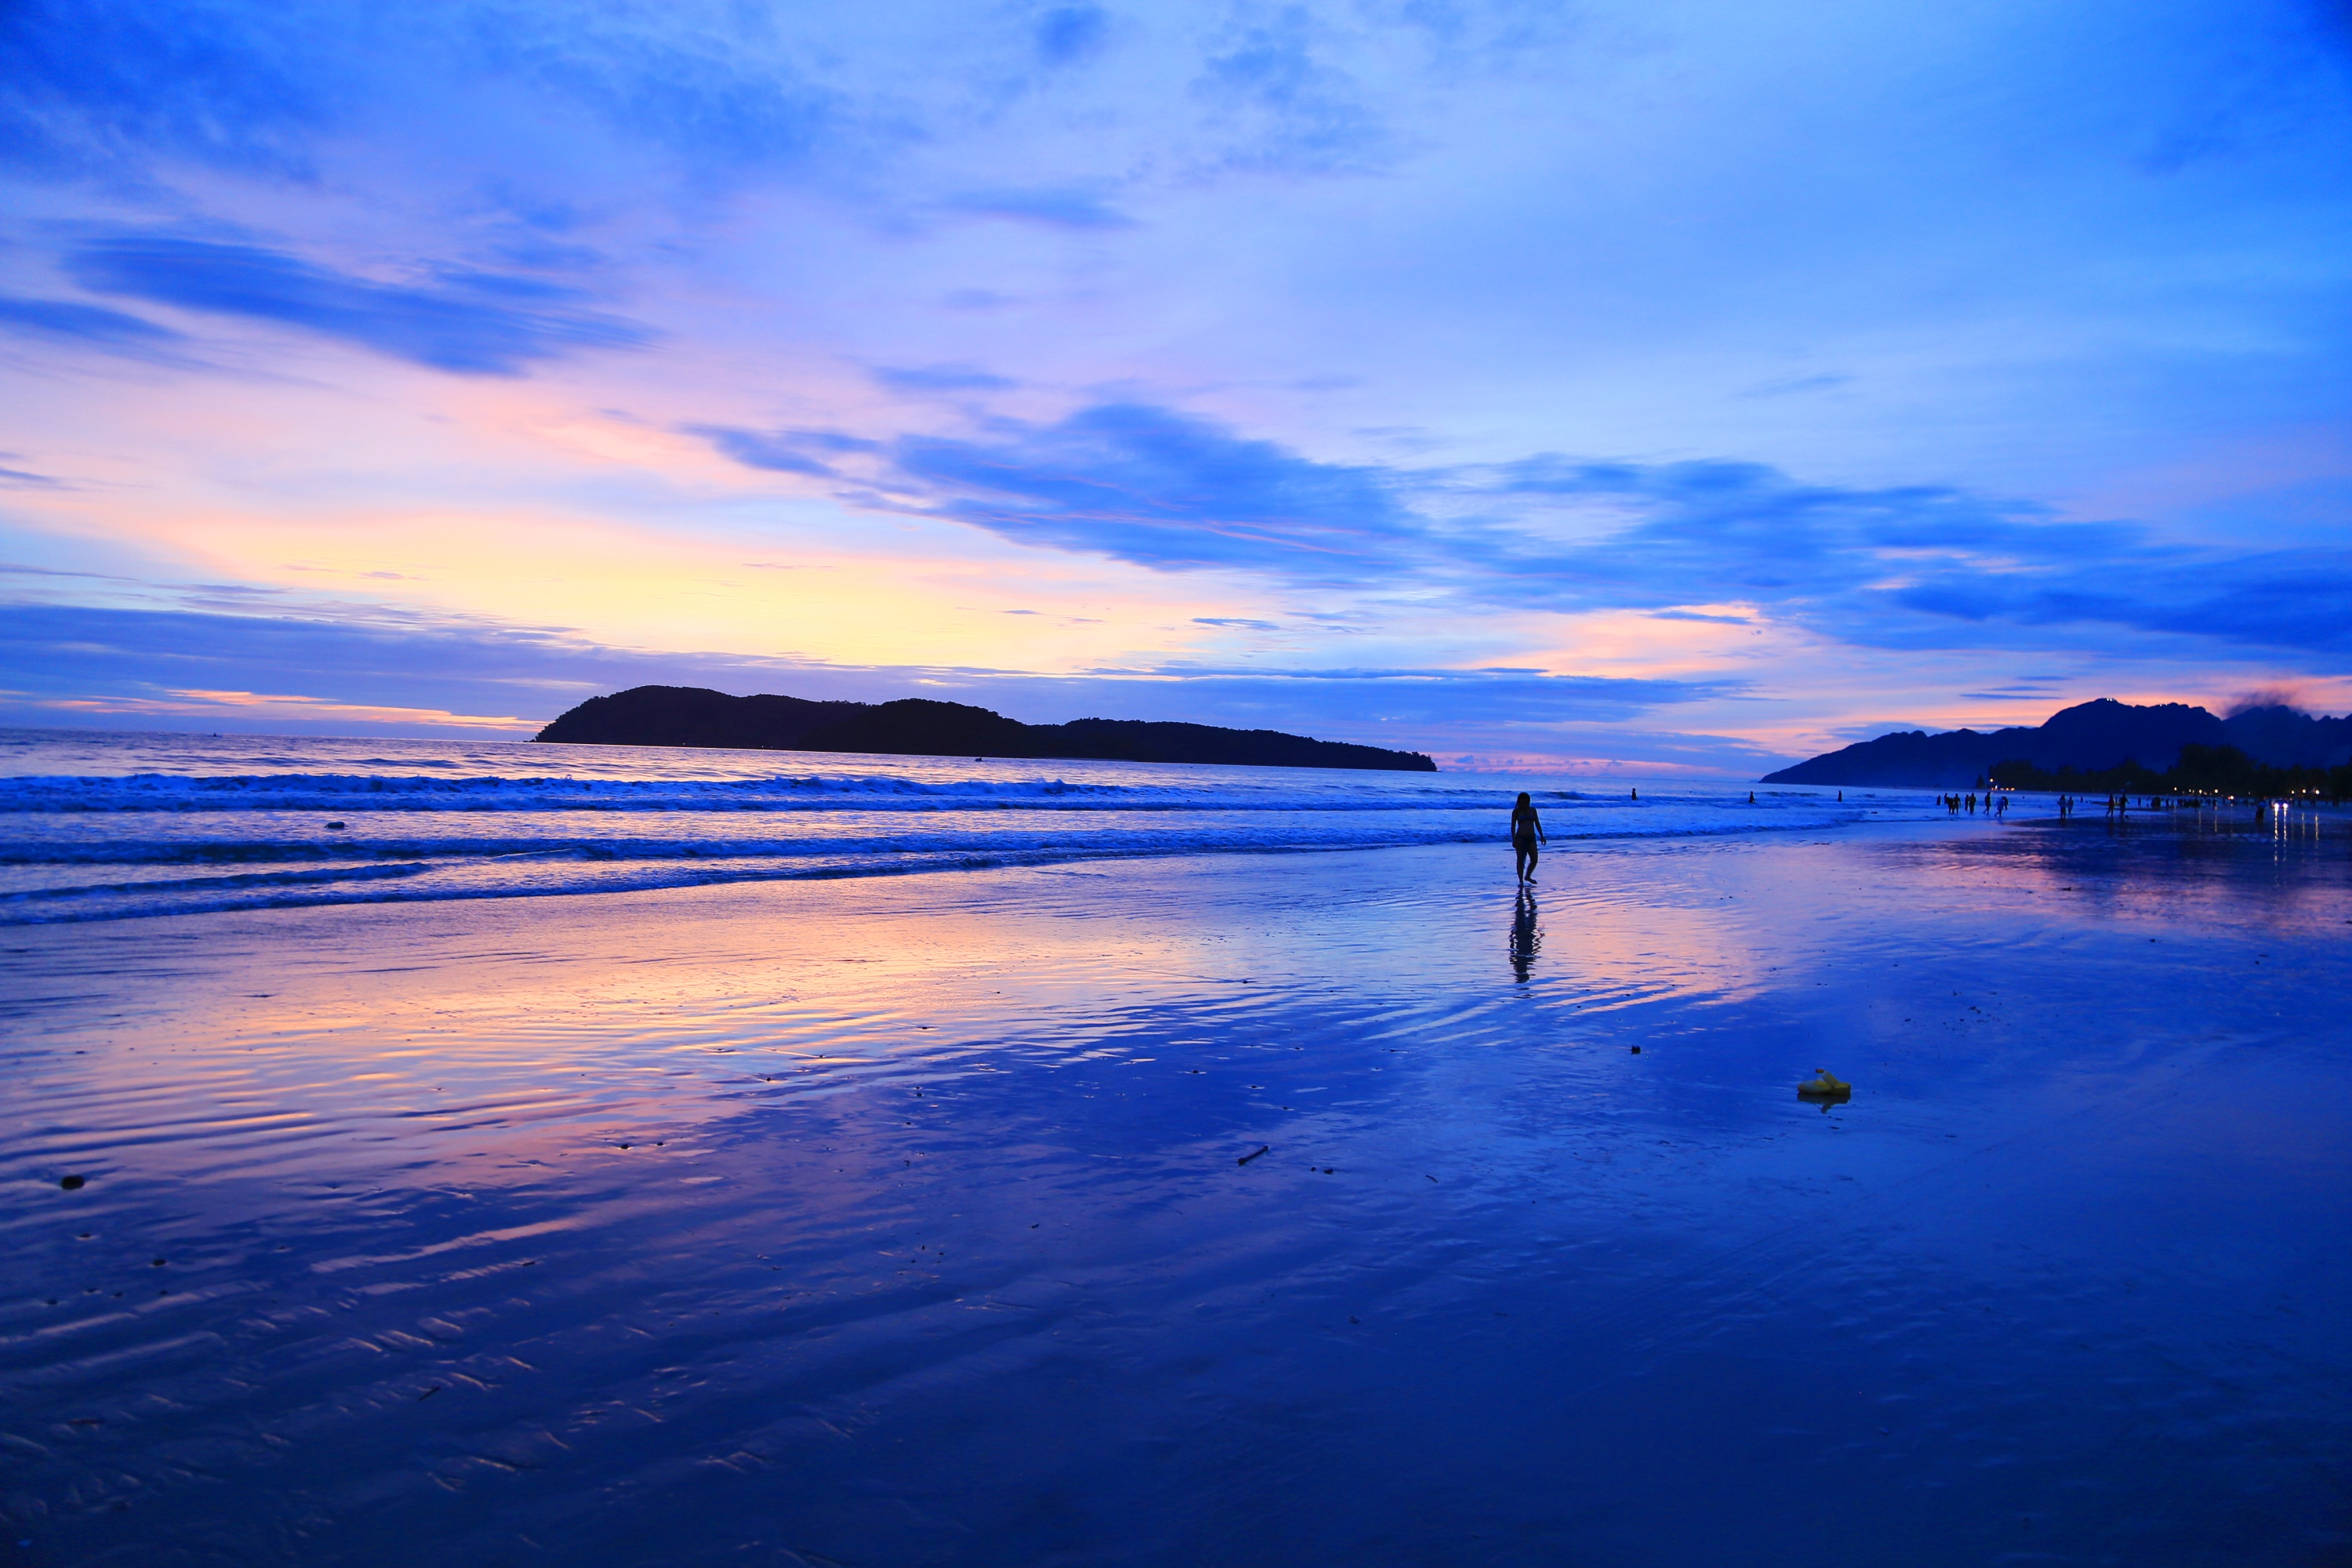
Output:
x=1526 y=936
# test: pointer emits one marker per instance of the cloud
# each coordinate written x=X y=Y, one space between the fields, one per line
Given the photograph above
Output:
x=276 y=707
x=782 y=451
x=1069 y=34
x=1073 y=209
x=1160 y=489
x=1913 y=567
x=2276 y=694
x=2286 y=600
x=1918 y=567
x=942 y=378
x=97 y=84
x=474 y=323
x=1506 y=700
x=90 y=326
x=350 y=655
x=1695 y=616
x=1236 y=622
x=379 y=669
x=1293 y=110
x=82 y=82
x=1790 y=385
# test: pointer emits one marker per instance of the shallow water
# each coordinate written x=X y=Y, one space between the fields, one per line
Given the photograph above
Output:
x=904 y=1221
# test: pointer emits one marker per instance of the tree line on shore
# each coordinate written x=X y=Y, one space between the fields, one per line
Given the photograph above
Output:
x=2201 y=770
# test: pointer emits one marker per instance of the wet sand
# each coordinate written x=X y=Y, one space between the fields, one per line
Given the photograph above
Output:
x=905 y=1221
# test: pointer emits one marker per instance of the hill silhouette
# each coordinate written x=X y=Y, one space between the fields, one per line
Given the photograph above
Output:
x=916 y=726
x=2091 y=736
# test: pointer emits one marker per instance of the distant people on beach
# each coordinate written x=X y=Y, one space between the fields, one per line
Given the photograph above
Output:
x=1527 y=834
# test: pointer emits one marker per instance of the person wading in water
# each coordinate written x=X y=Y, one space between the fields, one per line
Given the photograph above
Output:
x=1527 y=832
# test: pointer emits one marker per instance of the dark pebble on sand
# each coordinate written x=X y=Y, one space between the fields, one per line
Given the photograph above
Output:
x=71 y=1183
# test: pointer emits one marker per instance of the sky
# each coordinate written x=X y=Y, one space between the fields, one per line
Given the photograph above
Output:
x=1657 y=388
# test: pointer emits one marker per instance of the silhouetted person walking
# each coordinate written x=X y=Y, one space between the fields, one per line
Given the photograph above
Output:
x=1527 y=833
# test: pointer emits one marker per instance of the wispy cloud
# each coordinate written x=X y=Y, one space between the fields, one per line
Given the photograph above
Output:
x=1273 y=80
x=1067 y=35
x=1071 y=210
x=69 y=322
x=1160 y=489
x=940 y=378
x=1915 y=566
x=809 y=452
x=1790 y=386
x=1909 y=566
x=470 y=322
x=257 y=87
x=1695 y=616
x=276 y=709
x=223 y=666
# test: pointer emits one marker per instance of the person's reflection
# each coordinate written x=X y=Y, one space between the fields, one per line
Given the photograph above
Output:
x=1526 y=937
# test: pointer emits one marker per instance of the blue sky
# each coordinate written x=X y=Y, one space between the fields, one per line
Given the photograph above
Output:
x=1658 y=387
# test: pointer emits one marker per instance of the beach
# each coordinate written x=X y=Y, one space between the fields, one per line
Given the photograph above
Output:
x=1333 y=1205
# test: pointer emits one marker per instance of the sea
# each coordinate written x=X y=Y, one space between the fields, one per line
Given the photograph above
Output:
x=111 y=825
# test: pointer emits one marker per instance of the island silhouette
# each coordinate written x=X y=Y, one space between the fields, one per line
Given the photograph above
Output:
x=917 y=726
x=2101 y=741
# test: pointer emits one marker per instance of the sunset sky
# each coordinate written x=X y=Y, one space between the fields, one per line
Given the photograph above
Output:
x=1659 y=386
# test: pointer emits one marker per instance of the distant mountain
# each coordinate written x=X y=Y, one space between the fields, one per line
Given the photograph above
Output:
x=914 y=726
x=2086 y=738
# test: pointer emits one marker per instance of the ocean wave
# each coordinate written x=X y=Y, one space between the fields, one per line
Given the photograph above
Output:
x=363 y=792
x=250 y=826
x=499 y=868
x=202 y=886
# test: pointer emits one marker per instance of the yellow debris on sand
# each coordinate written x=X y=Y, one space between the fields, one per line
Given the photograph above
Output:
x=1824 y=1086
